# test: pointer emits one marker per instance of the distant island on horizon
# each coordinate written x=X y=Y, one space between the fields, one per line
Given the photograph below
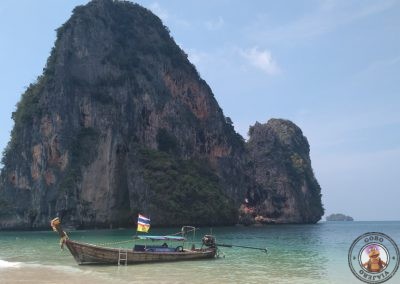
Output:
x=339 y=217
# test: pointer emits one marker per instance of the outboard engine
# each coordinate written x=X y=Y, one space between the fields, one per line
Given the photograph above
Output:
x=209 y=241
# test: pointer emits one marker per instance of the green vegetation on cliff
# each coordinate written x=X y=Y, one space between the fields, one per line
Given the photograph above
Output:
x=27 y=109
x=5 y=207
x=83 y=151
x=280 y=163
x=185 y=191
x=115 y=88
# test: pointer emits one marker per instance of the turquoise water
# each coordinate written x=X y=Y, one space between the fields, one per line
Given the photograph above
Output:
x=296 y=254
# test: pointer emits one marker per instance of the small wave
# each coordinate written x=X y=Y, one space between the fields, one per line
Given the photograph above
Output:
x=9 y=264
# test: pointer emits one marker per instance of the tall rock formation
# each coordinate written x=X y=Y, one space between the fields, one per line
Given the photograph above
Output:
x=286 y=190
x=119 y=123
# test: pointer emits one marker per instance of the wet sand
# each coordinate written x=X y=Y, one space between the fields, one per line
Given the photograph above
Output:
x=45 y=275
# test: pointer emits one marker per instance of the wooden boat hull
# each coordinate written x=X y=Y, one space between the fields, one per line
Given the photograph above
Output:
x=92 y=254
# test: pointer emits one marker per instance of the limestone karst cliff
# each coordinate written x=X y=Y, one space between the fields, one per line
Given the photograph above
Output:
x=285 y=190
x=120 y=122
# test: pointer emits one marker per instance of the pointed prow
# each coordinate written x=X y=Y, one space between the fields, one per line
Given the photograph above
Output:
x=56 y=225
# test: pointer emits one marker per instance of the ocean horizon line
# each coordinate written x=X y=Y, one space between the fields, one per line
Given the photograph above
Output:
x=71 y=228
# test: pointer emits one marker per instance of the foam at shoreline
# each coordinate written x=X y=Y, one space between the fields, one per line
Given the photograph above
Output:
x=9 y=264
x=17 y=272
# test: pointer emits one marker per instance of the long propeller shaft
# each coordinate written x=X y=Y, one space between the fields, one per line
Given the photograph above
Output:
x=238 y=246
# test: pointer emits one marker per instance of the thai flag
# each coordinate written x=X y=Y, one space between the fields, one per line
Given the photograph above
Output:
x=143 y=224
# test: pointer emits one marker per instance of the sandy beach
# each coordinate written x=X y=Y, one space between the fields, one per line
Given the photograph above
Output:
x=25 y=273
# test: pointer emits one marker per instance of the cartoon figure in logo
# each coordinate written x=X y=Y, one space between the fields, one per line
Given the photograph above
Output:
x=375 y=263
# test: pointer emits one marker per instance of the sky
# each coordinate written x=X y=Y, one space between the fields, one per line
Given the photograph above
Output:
x=332 y=67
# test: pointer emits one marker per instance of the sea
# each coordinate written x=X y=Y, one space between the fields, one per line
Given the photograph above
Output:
x=295 y=254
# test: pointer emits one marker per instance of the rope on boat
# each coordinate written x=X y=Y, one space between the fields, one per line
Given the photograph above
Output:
x=115 y=243
x=180 y=233
x=124 y=242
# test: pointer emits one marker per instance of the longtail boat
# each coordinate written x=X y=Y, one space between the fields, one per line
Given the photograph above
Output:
x=85 y=253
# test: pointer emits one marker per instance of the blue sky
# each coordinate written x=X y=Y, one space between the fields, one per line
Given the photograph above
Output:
x=332 y=67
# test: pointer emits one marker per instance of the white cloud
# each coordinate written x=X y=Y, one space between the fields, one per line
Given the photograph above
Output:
x=196 y=56
x=376 y=7
x=159 y=11
x=378 y=66
x=215 y=24
x=261 y=59
x=340 y=129
x=171 y=20
x=326 y=17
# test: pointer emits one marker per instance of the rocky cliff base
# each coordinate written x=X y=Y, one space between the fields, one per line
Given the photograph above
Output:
x=120 y=122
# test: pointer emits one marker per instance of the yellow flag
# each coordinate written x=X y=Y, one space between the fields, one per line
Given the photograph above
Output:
x=143 y=224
